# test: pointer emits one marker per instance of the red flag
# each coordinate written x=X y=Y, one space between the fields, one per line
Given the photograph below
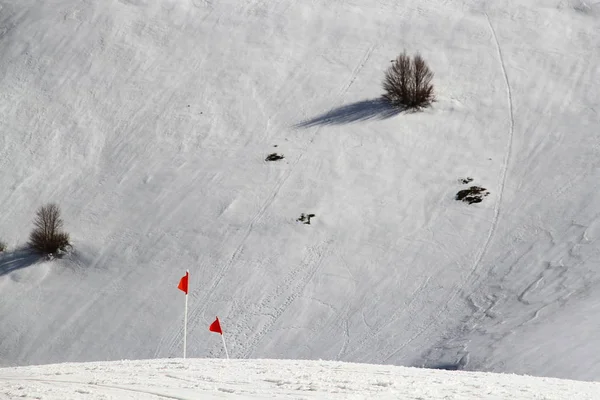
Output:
x=183 y=283
x=215 y=326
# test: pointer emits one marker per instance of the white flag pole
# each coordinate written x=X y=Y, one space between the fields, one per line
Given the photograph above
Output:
x=225 y=347
x=185 y=318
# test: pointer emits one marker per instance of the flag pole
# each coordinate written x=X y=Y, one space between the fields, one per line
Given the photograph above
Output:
x=216 y=327
x=225 y=347
x=185 y=320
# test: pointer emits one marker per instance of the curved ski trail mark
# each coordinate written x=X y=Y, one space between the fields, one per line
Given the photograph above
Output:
x=346 y=340
x=501 y=185
x=370 y=336
x=507 y=156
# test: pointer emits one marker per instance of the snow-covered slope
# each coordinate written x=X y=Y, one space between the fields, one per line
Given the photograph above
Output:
x=149 y=121
x=268 y=379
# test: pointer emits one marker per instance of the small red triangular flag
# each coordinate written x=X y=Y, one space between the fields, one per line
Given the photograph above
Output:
x=215 y=326
x=183 y=283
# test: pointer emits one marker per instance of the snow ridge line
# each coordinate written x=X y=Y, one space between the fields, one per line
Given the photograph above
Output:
x=508 y=154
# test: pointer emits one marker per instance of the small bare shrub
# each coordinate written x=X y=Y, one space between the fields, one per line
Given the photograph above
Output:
x=274 y=157
x=407 y=83
x=474 y=194
x=2 y=246
x=47 y=236
x=305 y=218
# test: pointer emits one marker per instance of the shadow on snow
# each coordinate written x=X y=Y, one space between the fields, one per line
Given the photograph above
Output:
x=18 y=259
x=374 y=109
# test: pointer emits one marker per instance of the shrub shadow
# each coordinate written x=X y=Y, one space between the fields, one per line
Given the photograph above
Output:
x=374 y=109
x=18 y=259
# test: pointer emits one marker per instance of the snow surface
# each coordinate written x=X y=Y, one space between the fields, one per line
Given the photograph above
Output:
x=148 y=122
x=280 y=379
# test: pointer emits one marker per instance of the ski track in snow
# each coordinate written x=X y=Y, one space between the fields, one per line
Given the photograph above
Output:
x=195 y=314
x=375 y=332
x=102 y=385
x=507 y=157
x=501 y=186
x=250 y=345
x=497 y=206
x=291 y=289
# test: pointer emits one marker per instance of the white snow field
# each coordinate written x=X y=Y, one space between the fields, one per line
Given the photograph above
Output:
x=149 y=121
x=212 y=379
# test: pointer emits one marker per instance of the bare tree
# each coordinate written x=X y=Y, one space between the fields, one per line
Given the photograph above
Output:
x=407 y=83
x=47 y=237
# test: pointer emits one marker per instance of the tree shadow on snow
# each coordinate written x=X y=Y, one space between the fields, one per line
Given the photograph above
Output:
x=18 y=259
x=374 y=109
